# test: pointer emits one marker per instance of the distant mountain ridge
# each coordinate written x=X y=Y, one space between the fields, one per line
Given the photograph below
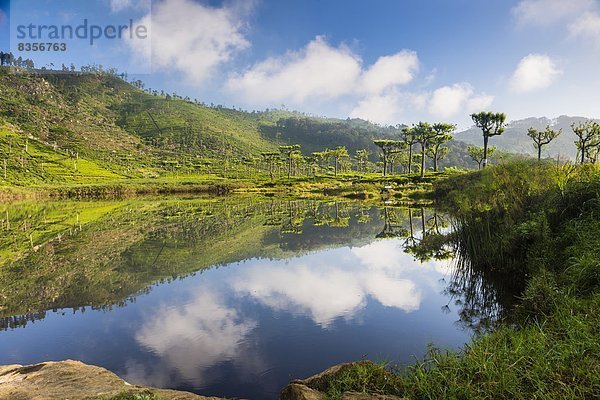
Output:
x=515 y=139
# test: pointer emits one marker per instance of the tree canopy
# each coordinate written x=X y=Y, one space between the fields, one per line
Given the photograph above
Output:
x=542 y=138
x=491 y=124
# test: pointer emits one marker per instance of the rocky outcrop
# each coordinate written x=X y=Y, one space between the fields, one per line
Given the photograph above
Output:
x=315 y=387
x=73 y=380
x=298 y=391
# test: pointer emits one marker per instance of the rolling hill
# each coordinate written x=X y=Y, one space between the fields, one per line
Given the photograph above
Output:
x=95 y=127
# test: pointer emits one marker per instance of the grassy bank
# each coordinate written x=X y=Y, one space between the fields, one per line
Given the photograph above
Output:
x=123 y=189
x=537 y=226
x=401 y=188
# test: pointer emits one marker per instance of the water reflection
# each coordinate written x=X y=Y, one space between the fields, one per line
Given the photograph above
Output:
x=100 y=254
x=488 y=278
x=327 y=288
x=234 y=296
x=191 y=338
x=331 y=285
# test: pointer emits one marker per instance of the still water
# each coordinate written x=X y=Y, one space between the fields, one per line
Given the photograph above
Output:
x=224 y=297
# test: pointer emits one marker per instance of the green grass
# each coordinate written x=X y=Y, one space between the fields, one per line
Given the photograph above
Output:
x=516 y=222
x=30 y=162
x=24 y=226
x=361 y=377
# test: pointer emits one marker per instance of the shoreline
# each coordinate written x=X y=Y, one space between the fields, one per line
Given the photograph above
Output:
x=404 y=187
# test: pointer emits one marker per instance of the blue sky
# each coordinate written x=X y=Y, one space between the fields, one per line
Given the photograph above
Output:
x=389 y=61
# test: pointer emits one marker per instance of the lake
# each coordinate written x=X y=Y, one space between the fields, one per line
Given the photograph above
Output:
x=230 y=296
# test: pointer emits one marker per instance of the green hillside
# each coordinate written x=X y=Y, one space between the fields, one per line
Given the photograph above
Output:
x=94 y=127
x=119 y=129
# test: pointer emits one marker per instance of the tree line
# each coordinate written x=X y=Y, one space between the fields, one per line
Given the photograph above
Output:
x=423 y=141
x=8 y=59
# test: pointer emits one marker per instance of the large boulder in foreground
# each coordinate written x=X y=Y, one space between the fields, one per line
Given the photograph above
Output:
x=315 y=387
x=72 y=380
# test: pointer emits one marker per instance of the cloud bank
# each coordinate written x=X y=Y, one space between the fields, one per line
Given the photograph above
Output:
x=320 y=72
x=580 y=17
x=586 y=26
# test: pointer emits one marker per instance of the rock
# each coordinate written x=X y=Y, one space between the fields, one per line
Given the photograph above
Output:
x=297 y=391
x=72 y=380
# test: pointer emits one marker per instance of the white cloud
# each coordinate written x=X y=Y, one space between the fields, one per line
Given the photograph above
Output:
x=120 y=5
x=430 y=78
x=535 y=71
x=192 y=38
x=386 y=291
x=548 y=12
x=383 y=109
x=479 y=103
x=324 y=290
x=390 y=71
x=323 y=293
x=587 y=26
x=449 y=101
x=389 y=108
x=317 y=71
x=321 y=72
x=443 y=103
x=384 y=256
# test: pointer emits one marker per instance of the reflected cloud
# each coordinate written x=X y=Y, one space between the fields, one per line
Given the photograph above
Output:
x=321 y=292
x=323 y=286
x=390 y=292
x=198 y=335
x=337 y=283
x=389 y=255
